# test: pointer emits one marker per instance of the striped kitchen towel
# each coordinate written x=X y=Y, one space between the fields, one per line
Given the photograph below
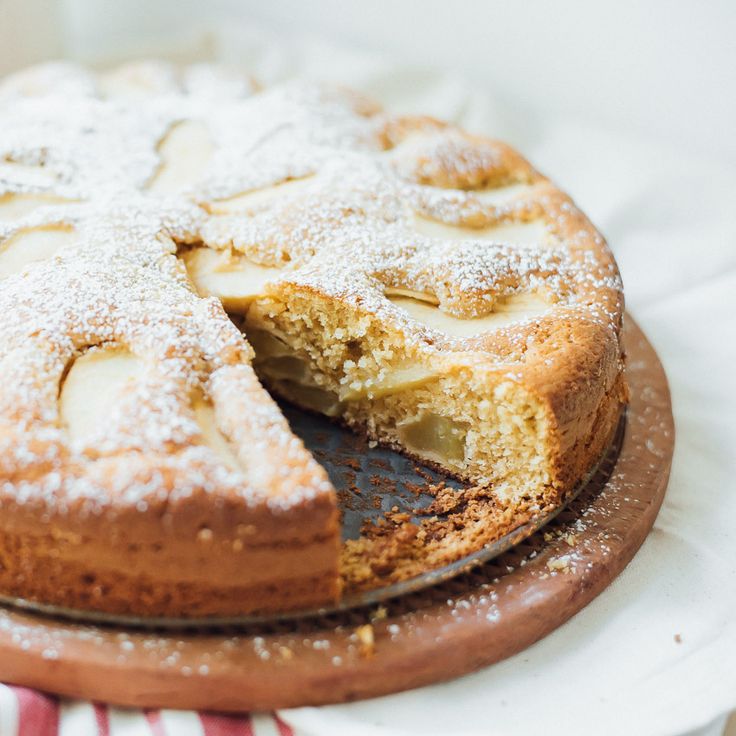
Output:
x=26 y=712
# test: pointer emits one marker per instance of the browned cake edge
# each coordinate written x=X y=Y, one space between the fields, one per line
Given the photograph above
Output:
x=198 y=557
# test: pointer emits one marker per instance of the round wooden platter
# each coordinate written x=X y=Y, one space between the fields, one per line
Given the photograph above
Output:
x=456 y=627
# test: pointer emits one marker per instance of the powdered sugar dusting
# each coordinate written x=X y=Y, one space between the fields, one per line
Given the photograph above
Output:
x=79 y=150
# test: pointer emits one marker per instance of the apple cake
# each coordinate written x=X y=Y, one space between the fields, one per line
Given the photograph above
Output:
x=177 y=242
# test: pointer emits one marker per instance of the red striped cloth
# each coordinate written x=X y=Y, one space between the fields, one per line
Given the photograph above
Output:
x=26 y=712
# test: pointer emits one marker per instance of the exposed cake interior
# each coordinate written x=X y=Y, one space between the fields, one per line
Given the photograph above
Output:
x=450 y=410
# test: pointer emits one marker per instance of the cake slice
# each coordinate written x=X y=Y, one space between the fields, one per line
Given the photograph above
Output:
x=145 y=471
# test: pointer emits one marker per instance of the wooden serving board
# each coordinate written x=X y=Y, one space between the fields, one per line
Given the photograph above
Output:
x=461 y=625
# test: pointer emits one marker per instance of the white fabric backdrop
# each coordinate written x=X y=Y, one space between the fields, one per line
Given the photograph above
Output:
x=663 y=66
x=670 y=218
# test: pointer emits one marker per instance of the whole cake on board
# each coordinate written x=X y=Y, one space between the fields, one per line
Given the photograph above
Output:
x=176 y=243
